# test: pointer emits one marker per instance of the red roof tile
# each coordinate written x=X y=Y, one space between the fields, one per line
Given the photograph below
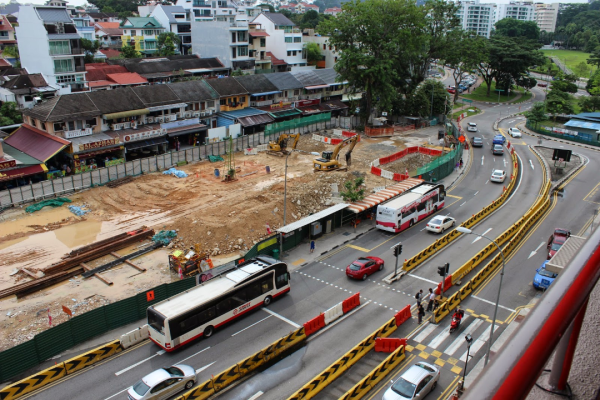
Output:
x=4 y=63
x=36 y=143
x=129 y=78
x=6 y=25
x=111 y=53
x=100 y=83
x=108 y=25
x=275 y=60
x=258 y=34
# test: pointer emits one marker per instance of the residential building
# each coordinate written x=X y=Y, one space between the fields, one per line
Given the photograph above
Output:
x=85 y=27
x=257 y=48
x=104 y=17
x=516 y=10
x=26 y=90
x=328 y=53
x=584 y=126
x=10 y=8
x=478 y=18
x=49 y=44
x=289 y=88
x=102 y=76
x=7 y=33
x=232 y=95
x=142 y=33
x=284 y=39
x=299 y=8
x=176 y=19
x=332 y=11
x=546 y=16
x=109 y=34
x=71 y=10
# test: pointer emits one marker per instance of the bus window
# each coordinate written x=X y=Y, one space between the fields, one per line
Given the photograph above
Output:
x=156 y=320
x=267 y=284
x=187 y=325
x=442 y=194
x=206 y=315
x=421 y=206
x=224 y=306
x=435 y=198
x=238 y=298
x=281 y=276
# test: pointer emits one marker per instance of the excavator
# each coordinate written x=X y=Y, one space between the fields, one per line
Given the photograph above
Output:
x=278 y=148
x=329 y=159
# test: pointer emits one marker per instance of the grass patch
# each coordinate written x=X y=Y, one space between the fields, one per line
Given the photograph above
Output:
x=480 y=94
x=551 y=123
x=524 y=97
x=571 y=58
x=466 y=110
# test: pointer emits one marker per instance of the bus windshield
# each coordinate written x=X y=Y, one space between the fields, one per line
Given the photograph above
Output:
x=156 y=320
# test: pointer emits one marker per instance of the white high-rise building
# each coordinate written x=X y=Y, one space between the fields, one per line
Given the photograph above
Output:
x=546 y=16
x=477 y=17
x=516 y=10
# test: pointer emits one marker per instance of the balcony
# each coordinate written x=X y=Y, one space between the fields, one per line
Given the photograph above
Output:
x=261 y=103
x=262 y=60
x=312 y=96
x=198 y=3
x=77 y=133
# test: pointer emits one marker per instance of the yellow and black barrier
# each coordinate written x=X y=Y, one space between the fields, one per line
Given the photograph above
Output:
x=375 y=376
x=59 y=370
x=340 y=366
x=237 y=371
x=442 y=242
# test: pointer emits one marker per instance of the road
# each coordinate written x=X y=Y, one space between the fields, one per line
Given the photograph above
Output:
x=321 y=284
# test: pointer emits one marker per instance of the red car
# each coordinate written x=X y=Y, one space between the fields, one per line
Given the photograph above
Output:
x=451 y=90
x=364 y=267
x=557 y=239
x=542 y=84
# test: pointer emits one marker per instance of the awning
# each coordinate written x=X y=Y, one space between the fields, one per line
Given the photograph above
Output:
x=312 y=218
x=258 y=34
x=145 y=143
x=256 y=120
x=21 y=172
x=310 y=110
x=285 y=113
x=316 y=87
x=36 y=143
x=375 y=199
x=265 y=93
x=125 y=114
x=97 y=152
x=97 y=141
x=167 y=107
x=332 y=105
x=183 y=130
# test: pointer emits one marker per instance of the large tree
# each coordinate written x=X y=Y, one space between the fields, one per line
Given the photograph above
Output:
x=511 y=27
x=168 y=43
x=537 y=113
x=462 y=55
x=10 y=114
x=559 y=102
x=129 y=52
x=589 y=103
x=313 y=52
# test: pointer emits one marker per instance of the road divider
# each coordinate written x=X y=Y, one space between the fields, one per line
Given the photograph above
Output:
x=403 y=315
x=313 y=325
x=351 y=302
x=388 y=345
x=334 y=313
x=134 y=337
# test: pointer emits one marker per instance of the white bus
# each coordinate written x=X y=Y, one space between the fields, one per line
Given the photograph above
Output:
x=199 y=311
x=410 y=207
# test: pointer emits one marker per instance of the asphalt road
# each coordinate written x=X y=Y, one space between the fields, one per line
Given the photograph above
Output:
x=321 y=284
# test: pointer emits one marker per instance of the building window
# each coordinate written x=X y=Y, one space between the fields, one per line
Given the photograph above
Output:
x=148 y=32
x=66 y=79
x=324 y=46
x=223 y=102
x=58 y=127
x=263 y=42
x=61 y=66
x=289 y=53
x=150 y=45
x=243 y=51
x=297 y=39
x=233 y=52
x=296 y=92
x=133 y=32
x=294 y=53
x=242 y=99
x=210 y=104
x=242 y=37
x=59 y=47
x=3 y=34
x=289 y=39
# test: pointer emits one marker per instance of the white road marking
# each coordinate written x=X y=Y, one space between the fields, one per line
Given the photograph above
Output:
x=531 y=163
x=158 y=353
x=203 y=368
x=476 y=193
x=423 y=229
x=479 y=237
x=535 y=251
x=463 y=204
x=453 y=348
x=281 y=317
x=195 y=354
x=486 y=182
x=478 y=344
x=481 y=160
x=256 y=395
x=425 y=332
x=248 y=327
x=116 y=394
x=504 y=160
x=492 y=303
x=444 y=334
x=424 y=279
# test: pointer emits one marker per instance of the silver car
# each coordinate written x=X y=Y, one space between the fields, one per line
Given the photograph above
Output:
x=163 y=383
x=514 y=132
x=416 y=383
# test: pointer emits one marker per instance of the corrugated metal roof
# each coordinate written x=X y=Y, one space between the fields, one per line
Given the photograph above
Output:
x=256 y=120
x=22 y=158
x=284 y=81
x=54 y=14
x=563 y=256
x=35 y=143
x=246 y=112
x=375 y=199
x=312 y=218
x=256 y=83
x=308 y=78
x=328 y=75
x=169 y=10
x=279 y=19
x=581 y=124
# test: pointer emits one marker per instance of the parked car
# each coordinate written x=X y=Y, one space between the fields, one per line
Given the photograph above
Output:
x=476 y=141
x=556 y=240
x=542 y=84
x=499 y=139
x=440 y=223
x=415 y=383
x=543 y=278
x=364 y=267
x=163 y=383
x=497 y=149
x=498 y=175
x=514 y=132
x=451 y=90
x=472 y=127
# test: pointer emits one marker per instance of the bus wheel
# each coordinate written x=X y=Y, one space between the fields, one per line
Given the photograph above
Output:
x=208 y=331
x=267 y=300
x=410 y=223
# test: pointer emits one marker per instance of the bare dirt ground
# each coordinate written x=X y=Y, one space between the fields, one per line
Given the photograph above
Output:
x=226 y=219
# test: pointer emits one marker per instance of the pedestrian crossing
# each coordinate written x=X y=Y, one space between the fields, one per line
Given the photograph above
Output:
x=437 y=345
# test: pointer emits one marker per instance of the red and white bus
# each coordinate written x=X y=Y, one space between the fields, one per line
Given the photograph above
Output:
x=410 y=207
x=199 y=311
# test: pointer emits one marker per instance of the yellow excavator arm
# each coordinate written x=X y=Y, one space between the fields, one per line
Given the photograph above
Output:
x=349 y=141
x=329 y=161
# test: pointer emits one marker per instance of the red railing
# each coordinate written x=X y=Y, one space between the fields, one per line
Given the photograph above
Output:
x=553 y=324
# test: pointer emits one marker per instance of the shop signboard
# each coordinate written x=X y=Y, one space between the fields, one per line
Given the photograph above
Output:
x=55 y=174
x=281 y=104
x=99 y=144
x=8 y=164
x=181 y=123
x=306 y=103
x=143 y=135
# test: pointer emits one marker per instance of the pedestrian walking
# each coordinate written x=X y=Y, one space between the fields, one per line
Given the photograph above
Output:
x=457 y=166
x=312 y=246
x=461 y=163
x=419 y=297
x=177 y=144
x=430 y=306
x=420 y=313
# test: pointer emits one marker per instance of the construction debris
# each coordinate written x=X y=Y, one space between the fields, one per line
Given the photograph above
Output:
x=119 y=182
x=164 y=237
x=59 y=201
x=79 y=211
x=175 y=172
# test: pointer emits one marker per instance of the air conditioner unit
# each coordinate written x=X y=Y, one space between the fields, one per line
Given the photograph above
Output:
x=149 y=119
x=188 y=114
x=87 y=126
x=141 y=122
x=197 y=114
x=159 y=119
x=173 y=117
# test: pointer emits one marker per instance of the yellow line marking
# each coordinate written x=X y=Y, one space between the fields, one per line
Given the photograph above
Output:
x=591 y=193
x=440 y=362
x=424 y=355
x=452 y=361
x=421 y=347
x=298 y=262
x=331 y=253
x=456 y=197
x=358 y=248
x=450 y=387
x=436 y=353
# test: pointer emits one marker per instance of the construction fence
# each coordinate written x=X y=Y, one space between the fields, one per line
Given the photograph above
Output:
x=68 y=184
x=564 y=134
x=442 y=166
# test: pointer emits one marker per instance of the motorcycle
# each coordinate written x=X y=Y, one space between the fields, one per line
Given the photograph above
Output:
x=455 y=324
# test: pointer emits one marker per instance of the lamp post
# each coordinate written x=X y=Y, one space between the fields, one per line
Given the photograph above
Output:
x=470 y=232
x=469 y=340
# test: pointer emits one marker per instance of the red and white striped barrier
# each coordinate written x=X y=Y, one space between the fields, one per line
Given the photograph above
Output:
x=334 y=141
x=331 y=314
x=375 y=170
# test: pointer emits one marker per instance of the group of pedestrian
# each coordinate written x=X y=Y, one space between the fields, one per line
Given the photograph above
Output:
x=431 y=305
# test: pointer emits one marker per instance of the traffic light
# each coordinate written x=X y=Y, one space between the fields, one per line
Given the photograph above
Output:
x=398 y=250
x=444 y=269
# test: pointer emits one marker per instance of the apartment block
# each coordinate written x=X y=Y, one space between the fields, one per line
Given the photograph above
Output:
x=546 y=16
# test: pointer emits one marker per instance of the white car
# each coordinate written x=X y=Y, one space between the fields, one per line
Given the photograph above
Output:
x=440 y=223
x=416 y=383
x=472 y=127
x=163 y=383
x=498 y=175
x=514 y=132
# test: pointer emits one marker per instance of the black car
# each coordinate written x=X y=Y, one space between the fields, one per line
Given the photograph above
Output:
x=477 y=141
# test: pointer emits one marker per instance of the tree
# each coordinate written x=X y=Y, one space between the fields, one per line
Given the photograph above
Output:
x=313 y=52
x=581 y=69
x=511 y=27
x=527 y=82
x=537 y=113
x=593 y=85
x=271 y=8
x=558 y=102
x=129 y=52
x=11 y=52
x=592 y=44
x=168 y=44
x=462 y=55
x=564 y=86
x=91 y=48
x=589 y=103
x=593 y=60
x=420 y=103
x=354 y=190
x=10 y=114
x=310 y=19
x=125 y=14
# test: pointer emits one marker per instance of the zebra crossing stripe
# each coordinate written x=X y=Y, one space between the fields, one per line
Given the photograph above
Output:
x=425 y=332
x=460 y=340
x=439 y=339
x=479 y=343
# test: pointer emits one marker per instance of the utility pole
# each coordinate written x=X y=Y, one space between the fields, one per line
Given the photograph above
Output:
x=397 y=251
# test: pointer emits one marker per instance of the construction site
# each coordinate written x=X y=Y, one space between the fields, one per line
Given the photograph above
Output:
x=53 y=262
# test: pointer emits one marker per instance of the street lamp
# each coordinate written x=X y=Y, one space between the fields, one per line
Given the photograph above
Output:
x=470 y=232
x=469 y=340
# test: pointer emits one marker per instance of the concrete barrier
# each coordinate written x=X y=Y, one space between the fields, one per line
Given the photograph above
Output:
x=134 y=337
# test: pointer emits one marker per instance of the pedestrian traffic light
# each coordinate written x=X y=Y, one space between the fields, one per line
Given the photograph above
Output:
x=398 y=250
x=444 y=269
